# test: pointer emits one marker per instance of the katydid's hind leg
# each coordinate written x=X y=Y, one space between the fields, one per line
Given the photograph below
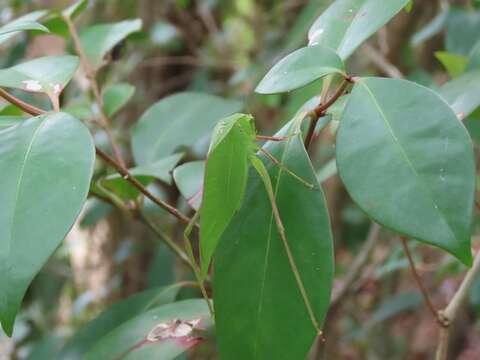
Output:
x=274 y=160
x=196 y=268
x=262 y=171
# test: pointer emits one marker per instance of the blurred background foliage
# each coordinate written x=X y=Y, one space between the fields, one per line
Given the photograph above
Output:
x=224 y=48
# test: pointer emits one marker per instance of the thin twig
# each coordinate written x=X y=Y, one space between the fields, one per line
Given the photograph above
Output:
x=419 y=282
x=449 y=314
x=132 y=180
x=91 y=74
x=358 y=263
x=381 y=62
x=166 y=239
x=29 y=109
x=319 y=111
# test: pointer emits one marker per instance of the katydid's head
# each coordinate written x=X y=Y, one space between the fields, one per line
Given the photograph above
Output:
x=237 y=123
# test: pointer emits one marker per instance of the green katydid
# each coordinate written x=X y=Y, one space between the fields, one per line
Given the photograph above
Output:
x=232 y=150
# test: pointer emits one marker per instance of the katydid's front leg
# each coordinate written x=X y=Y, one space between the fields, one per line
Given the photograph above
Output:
x=274 y=160
x=262 y=171
x=191 y=256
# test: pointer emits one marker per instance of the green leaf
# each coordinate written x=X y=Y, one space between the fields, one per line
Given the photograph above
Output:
x=348 y=23
x=259 y=310
x=98 y=40
x=48 y=75
x=226 y=174
x=455 y=64
x=300 y=68
x=75 y=9
x=116 y=315
x=160 y=170
x=26 y=22
x=129 y=338
x=474 y=58
x=463 y=93
x=189 y=180
x=117 y=96
x=179 y=120
x=408 y=162
x=463 y=28
x=46 y=164
x=9 y=121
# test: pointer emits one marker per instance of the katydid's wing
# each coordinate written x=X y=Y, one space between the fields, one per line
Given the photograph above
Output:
x=225 y=179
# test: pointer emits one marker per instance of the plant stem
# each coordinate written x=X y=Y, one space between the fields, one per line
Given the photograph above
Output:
x=132 y=180
x=319 y=111
x=29 y=109
x=419 y=282
x=450 y=312
x=91 y=74
x=166 y=239
x=357 y=264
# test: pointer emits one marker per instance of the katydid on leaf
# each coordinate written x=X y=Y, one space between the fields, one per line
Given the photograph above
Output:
x=232 y=150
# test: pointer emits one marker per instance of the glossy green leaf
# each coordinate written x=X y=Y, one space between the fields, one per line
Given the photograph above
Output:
x=25 y=22
x=128 y=340
x=46 y=165
x=463 y=27
x=259 y=311
x=22 y=26
x=348 y=23
x=454 y=63
x=48 y=75
x=117 y=96
x=9 y=121
x=300 y=68
x=189 y=180
x=226 y=174
x=408 y=162
x=98 y=40
x=75 y=9
x=113 y=317
x=179 y=120
x=463 y=93
x=160 y=170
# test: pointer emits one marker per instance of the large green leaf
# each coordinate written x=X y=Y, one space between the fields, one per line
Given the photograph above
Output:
x=189 y=180
x=160 y=170
x=463 y=93
x=463 y=27
x=300 y=68
x=25 y=22
x=48 y=75
x=127 y=342
x=408 y=162
x=113 y=317
x=116 y=96
x=177 y=120
x=98 y=40
x=260 y=313
x=46 y=165
x=348 y=23
x=226 y=174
